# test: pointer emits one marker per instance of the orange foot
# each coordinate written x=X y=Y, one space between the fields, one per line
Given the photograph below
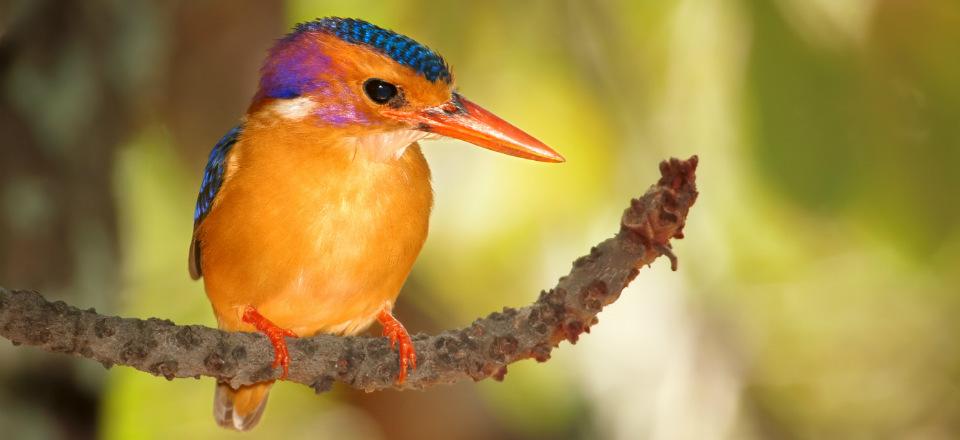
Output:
x=398 y=335
x=276 y=335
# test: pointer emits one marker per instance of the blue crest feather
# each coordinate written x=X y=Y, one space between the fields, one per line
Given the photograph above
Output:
x=400 y=48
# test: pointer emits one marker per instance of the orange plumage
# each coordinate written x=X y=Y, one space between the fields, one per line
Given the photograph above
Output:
x=311 y=216
x=325 y=229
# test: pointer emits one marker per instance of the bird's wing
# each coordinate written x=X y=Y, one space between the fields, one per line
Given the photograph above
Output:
x=213 y=177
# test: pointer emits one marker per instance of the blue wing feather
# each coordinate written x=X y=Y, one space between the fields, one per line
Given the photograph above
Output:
x=209 y=187
x=213 y=173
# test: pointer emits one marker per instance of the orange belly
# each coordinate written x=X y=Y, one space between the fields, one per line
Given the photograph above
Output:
x=317 y=239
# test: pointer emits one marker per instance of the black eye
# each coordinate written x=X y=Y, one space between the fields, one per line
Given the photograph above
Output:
x=379 y=90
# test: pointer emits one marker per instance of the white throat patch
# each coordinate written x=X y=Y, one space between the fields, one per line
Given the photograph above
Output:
x=391 y=144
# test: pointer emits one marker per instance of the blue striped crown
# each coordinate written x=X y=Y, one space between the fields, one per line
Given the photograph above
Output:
x=400 y=48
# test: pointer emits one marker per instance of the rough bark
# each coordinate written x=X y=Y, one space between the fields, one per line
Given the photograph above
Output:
x=481 y=350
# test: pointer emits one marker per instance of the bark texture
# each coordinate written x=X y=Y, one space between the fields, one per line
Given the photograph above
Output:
x=481 y=350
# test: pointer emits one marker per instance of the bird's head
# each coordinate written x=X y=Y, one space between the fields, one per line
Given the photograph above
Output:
x=380 y=87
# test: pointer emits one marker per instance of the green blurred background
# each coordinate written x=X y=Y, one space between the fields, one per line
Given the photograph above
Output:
x=817 y=296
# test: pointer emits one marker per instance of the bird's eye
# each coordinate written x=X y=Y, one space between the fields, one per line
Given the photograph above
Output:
x=379 y=90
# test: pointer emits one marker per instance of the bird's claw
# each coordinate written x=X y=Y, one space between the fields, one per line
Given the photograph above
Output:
x=399 y=340
x=276 y=335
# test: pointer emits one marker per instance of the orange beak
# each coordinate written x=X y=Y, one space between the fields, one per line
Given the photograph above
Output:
x=461 y=119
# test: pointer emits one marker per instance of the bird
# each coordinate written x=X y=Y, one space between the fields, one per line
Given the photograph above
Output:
x=312 y=210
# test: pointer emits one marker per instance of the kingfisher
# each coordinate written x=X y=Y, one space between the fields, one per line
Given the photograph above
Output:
x=313 y=209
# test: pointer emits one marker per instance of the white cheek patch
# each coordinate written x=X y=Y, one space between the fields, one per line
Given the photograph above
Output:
x=380 y=146
x=293 y=109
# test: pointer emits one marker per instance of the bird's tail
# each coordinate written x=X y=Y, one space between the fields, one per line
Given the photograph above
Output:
x=240 y=409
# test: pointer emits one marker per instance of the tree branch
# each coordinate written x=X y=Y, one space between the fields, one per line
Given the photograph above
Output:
x=483 y=349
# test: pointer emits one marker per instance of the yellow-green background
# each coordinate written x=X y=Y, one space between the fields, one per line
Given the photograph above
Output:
x=817 y=296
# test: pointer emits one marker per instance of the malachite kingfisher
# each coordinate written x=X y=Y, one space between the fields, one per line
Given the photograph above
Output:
x=313 y=209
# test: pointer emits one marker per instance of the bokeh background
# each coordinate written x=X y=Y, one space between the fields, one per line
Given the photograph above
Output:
x=817 y=295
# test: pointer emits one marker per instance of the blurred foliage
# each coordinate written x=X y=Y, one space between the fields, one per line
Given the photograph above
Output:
x=817 y=290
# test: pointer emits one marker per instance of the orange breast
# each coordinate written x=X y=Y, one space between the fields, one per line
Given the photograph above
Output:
x=314 y=234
